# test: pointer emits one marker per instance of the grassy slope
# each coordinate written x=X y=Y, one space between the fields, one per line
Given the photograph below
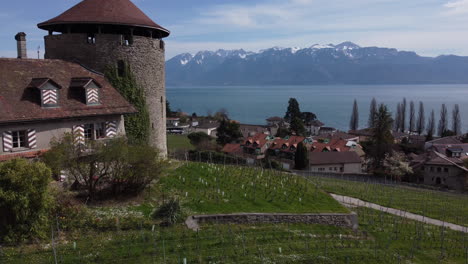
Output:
x=435 y=204
x=210 y=189
x=382 y=239
x=178 y=142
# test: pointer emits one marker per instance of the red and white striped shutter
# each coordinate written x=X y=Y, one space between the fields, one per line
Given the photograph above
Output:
x=7 y=141
x=49 y=97
x=92 y=96
x=32 y=140
x=78 y=135
x=111 y=129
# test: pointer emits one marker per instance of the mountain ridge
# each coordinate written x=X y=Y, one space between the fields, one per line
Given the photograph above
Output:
x=345 y=63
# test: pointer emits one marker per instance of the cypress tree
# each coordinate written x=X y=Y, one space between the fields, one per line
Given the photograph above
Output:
x=293 y=110
x=301 y=159
x=431 y=126
x=443 y=121
x=372 y=113
x=412 y=117
x=420 y=124
x=354 y=121
x=456 y=120
x=403 y=116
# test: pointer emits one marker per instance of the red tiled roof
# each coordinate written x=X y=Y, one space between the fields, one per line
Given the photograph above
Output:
x=113 y=12
x=293 y=140
x=334 y=144
x=259 y=139
x=231 y=148
x=26 y=155
x=19 y=101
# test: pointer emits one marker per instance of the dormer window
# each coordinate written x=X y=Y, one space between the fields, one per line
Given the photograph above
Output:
x=48 y=90
x=91 y=89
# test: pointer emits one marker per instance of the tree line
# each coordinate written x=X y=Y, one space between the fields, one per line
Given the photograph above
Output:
x=406 y=120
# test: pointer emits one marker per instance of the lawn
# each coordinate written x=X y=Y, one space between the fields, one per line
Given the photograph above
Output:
x=382 y=238
x=211 y=189
x=450 y=207
x=178 y=142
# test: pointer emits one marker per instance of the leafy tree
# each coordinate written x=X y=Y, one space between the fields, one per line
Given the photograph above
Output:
x=112 y=164
x=448 y=133
x=221 y=114
x=372 y=113
x=301 y=159
x=169 y=112
x=430 y=127
x=24 y=200
x=382 y=138
x=199 y=139
x=297 y=126
x=137 y=126
x=293 y=110
x=228 y=132
x=421 y=122
x=354 y=121
x=308 y=117
x=396 y=166
x=456 y=120
x=412 y=119
x=282 y=132
x=443 y=121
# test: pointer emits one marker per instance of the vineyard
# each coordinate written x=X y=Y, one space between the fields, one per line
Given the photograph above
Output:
x=445 y=206
x=205 y=188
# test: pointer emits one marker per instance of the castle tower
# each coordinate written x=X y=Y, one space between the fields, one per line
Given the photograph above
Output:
x=112 y=33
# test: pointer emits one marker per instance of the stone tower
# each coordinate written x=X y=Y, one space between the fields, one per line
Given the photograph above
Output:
x=103 y=33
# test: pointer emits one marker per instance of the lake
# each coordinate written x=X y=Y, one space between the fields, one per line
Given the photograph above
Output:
x=331 y=103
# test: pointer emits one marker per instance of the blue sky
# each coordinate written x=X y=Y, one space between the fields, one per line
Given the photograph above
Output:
x=429 y=27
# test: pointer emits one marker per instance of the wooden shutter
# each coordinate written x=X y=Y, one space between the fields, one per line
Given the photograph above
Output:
x=111 y=129
x=7 y=141
x=78 y=135
x=92 y=96
x=32 y=140
x=49 y=97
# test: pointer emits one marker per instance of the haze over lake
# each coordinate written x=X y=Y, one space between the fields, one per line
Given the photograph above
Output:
x=331 y=103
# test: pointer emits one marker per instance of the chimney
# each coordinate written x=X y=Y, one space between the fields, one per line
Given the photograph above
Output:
x=21 y=43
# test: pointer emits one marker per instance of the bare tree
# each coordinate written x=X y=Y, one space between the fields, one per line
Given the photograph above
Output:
x=354 y=121
x=456 y=120
x=411 y=117
x=397 y=122
x=403 y=115
x=443 y=121
x=431 y=126
x=372 y=113
x=421 y=122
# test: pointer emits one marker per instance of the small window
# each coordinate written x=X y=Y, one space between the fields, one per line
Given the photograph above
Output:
x=19 y=139
x=127 y=40
x=162 y=45
x=439 y=169
x=121 y=68
x=89 y=131
x=432 y=169
x=91 y=38
x=446 y=169
x=100 y=130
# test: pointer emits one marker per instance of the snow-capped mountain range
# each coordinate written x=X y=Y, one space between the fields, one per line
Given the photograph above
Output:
x=345 y=63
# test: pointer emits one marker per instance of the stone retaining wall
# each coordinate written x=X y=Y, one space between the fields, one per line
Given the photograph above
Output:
x=341 y=220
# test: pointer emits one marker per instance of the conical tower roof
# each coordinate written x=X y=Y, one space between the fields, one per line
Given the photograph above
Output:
x=103 y=12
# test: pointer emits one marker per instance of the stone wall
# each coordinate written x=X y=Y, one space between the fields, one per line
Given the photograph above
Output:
x=341 y=220
x=145 y=57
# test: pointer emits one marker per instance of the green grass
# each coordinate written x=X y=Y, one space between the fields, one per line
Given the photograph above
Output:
x=210 y=189
x=382 y=238
x=450 y=207
x=178 y=142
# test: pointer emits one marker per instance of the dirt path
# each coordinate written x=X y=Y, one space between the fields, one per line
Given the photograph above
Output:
x=350 y=201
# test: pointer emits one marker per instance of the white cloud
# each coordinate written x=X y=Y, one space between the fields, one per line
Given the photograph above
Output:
x=458 y=7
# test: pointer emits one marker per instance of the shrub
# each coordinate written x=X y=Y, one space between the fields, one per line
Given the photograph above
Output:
x=112 y=165
x=169 y=212
x=24 y=200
